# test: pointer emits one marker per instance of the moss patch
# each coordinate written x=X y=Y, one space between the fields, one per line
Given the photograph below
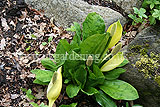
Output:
x=157 y=79
x=148 y=63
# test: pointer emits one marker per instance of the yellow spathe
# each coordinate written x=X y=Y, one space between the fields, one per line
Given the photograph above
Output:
x=114 y=62
x=116 y=32
x=54 y=87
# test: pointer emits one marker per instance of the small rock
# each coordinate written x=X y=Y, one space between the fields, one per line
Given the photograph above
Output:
x=41 y=47
x=14 y=96
x=4 y=24
x=25 y=61
x=2 y=44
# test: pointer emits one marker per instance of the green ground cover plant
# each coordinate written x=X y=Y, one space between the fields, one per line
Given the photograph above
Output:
x=153 y=14
x=87 y=65
x=138 y=16
x=154 y=9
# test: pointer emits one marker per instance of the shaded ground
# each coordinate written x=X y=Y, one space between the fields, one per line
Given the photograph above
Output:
x=109 y=4
x=22 y=33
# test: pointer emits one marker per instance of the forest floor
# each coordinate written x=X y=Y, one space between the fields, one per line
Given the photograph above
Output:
x=27 y=36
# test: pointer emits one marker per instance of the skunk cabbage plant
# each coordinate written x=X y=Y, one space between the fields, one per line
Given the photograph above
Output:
x=88 y=64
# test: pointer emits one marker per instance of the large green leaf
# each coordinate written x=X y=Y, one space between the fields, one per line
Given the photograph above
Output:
x=72 y=90
x=49 y=64
x=94 y=44
x=95 y=78
x=80 y=76
x=74 y=44
x=63 y=47
x=93 y=24
x=116 y=35
x=114 y=74
x=119 y=90
x=43 y=75
x=104 y=100
x=114 y=62
x=90 y=91
x=72 y=63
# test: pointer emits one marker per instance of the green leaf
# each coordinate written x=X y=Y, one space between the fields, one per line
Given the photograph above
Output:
x=33 y=36
x=44 y=43
x=152 y=6
x=29 y=47
x=132 y=16
x=114 y=74
x=24 y=90
x=72 y=63
x=94 y=44
x=43 y=105
x=95 y=78
x=114 y=62
x=136 y=11
x=119 y=90
x=144 y=4
x=137 y=105
x=49 y=64
x=93 y=24
x=152 y=20
x=50 y=39
x=71 y=105
x=29 y=94
x=125 y=62
x=104 y=100
x=157 y=2
x=74 y=44
x=127 y=105
x=72 y=90
x=63 y=47
x=80 y=76
x=34 y=104
x=66 y=81
x=139 y=20
x=90 y=91
x=156 y=14
x=152 y=3
x=76 y=28
x=36 y=81
x=141 y=12
x=60 y=55
x=43 y=75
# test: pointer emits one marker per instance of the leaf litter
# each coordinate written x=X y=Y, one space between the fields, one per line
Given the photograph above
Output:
x=22 y=27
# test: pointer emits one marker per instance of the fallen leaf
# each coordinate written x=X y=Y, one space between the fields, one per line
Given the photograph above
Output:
x=2 y=44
